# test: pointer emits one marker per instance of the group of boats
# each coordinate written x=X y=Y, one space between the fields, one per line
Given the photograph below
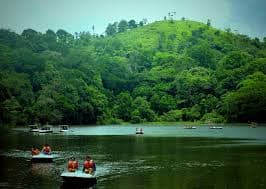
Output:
x=194 y=127
x=79 y=177
x=251 y=125
x=47 y=128
x=75 y=178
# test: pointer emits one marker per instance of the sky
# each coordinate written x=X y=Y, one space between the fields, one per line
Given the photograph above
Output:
x=242 y=16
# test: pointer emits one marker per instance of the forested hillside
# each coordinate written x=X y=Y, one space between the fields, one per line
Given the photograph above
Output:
x=163 y=71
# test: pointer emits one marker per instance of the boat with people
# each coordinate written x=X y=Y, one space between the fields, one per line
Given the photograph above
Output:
x=190 y=127
x=46 y=129
x=64 y=128
x=139 y=131
x=216 y=127
x=85 y=176
x=79 y=178
x=43 y=156
x=34 y=128
x=253 y=125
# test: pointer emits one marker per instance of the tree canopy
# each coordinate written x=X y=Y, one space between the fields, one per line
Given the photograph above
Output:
x=163 y=71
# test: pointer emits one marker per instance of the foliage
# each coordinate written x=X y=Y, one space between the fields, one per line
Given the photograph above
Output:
x=249 y=101
x=172 y=116
x=212 y=117
x=169 y=71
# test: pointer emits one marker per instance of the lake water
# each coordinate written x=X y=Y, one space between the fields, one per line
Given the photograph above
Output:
x=164 y=157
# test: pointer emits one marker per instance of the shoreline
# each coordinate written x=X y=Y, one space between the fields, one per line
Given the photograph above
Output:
x=159 y=124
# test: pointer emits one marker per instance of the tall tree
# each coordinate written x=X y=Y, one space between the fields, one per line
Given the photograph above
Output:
x=132 y=24
x=122 y=26
x=111 y=29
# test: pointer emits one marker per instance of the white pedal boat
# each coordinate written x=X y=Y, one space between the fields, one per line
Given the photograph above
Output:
x=42 y=158
x=79 y=178
x=215 y=127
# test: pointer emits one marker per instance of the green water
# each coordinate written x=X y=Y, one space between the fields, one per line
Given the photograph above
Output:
x=164 y=157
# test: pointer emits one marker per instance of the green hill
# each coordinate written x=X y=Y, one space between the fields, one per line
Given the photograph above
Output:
x=164 y=71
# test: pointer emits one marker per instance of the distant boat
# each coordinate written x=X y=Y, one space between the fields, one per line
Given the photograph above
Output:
x=79 y=178
x=190 y=127
x=46 y=129
x=64 y=128
x=216 y=127
x=253 y=124
x=42 y=158
x=34 y=128
x=139 y=131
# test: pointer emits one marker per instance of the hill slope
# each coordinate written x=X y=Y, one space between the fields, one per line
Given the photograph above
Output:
x=164 y=71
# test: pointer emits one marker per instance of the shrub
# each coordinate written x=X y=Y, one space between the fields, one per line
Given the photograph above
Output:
x=213 y=117
x=172 y=116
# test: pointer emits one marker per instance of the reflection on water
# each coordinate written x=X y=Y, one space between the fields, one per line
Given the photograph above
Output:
x=165 y=157
x=43 y=169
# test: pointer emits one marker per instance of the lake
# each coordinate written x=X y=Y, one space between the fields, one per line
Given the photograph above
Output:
x=164 y=157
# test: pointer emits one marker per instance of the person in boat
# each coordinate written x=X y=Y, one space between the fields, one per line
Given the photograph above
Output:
x=35 y=151
x=46 y=149
x=89 y=166
x=139 y=131
x=72 y=165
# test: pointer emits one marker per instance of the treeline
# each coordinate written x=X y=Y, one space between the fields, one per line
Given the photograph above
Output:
x=164 y=71
x=122 y=26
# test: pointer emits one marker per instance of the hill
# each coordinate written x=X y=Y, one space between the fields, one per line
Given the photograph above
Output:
x=163 y=71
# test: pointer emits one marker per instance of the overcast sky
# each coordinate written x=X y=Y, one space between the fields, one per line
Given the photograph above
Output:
x=246 y=16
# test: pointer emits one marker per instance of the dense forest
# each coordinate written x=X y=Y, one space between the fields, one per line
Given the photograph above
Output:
x=164 y=71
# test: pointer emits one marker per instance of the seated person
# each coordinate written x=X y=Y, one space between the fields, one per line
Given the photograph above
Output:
x=46 y=149
x=89 y=166
x=35 y=151
x=72 y=165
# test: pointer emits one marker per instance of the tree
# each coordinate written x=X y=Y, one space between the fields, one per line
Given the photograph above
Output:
x=36 y=40
x=235 y=59
x=208 y=22
x=179 y=71
x=248 y=102
x=142 y=111
x=122 y=26
x=162 y=41
x=193 y=113
x=51 y=39
x=64 y=37
x=29 y=34
x=192 y=86
x=162 y=103
x=172 y=116
x=111 y=29
x=13 y=112
x=123 y=107
x=203 y=55
x=45 y=110
x=132 y=24
x=213 y=117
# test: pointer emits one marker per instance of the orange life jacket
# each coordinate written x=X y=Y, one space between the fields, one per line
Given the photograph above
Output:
x=88 y=164
x=35 y=152
x=72 y=164
x=47 y=149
